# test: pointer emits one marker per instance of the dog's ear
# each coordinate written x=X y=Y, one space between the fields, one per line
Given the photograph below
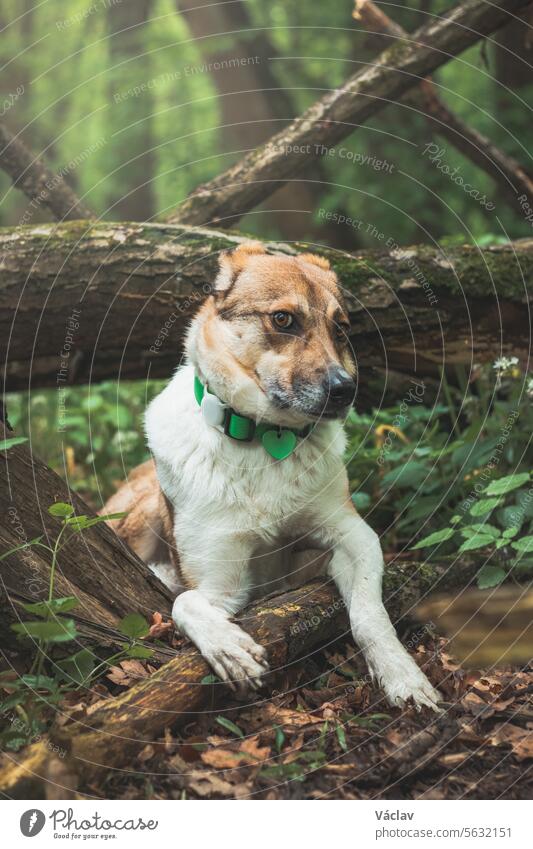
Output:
x=231 y=263
x=321 y=261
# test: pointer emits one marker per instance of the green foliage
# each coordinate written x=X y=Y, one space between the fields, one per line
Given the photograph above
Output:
x=436 y=473
x=489 y=537
x=102 y=434
x=33 y=694
x=6 y=444
x=230 y=726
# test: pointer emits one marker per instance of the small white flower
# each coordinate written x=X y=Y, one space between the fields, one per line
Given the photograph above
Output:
x=503 y=363
x=529 y=387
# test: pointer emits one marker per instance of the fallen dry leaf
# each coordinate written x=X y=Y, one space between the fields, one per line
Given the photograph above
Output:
x=127 y=673
x=247 y=753
x=520 y=739
x=159 y=628
x=210 y=784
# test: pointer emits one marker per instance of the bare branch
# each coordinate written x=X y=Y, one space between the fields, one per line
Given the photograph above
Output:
x=509 y=175
x=42 y=186
x=229 y=196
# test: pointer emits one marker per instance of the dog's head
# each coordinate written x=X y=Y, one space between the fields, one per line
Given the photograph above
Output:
x=272 y=339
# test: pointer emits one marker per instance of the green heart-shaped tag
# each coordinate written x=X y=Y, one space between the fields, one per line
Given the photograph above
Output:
x=279 y=443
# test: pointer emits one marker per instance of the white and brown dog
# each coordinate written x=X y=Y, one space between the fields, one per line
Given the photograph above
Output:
x=249 y=493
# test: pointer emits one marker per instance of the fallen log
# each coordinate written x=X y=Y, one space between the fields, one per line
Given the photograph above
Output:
x=112 y=301
x=290 y=626
x=97 y=567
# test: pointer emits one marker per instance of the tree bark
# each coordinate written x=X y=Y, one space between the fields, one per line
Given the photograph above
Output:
x=97 y=567
x=289 y=626
x=229 y=196
x=509 y=175
x=87 y=302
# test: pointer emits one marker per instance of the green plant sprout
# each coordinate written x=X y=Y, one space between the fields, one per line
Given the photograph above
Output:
x=508 y=502
x=29 y=695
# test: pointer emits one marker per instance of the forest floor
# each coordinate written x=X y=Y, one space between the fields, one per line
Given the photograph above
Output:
x=327 y=733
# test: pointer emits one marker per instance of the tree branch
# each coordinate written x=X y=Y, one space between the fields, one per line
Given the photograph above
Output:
x=42 y=186
x=230 y=195
x=508 y=174
x=112 y=301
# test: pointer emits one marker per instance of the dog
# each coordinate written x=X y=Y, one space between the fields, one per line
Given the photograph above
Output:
x=247 y=493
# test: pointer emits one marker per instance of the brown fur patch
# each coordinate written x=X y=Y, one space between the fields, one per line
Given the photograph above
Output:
x=148 y=526
x=321 y=261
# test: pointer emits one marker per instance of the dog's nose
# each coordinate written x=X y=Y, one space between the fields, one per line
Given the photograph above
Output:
x=340 y=387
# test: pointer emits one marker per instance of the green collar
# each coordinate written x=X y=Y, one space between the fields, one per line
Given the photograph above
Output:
x=277 y=441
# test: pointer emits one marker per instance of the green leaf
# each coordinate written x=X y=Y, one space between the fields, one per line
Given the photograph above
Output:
x=490 y=576
x=107 y=517
x=509 y=533
x=485 y=529
x=279 y=738
x=6 y=444
x=504 y=485
x=20 y=547
x=77 y=523
x=60 y=631
x=422 y=508
x=140 y=652
x=57 y=605
x=455 y=520
x=61 y=510
x=435 y=538
x=230 y=726
x=525 y=502
x=210 y=679
x=12 y=701
x=78 y=666
x=341 y=737
x=511 y=516
x=486 y=505
x=410 y=474
x=361 y=500
x=134 y=625
x=475 y=542
x=39 y=682
x=523 y=544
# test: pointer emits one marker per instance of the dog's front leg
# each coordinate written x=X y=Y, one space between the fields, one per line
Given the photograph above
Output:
x=356 y=567
x=219 y=569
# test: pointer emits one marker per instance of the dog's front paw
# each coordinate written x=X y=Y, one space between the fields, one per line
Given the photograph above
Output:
x=236 y=658
x=404 y=680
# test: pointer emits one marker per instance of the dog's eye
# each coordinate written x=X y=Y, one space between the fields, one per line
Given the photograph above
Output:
x=341 y=332
x=283 y=320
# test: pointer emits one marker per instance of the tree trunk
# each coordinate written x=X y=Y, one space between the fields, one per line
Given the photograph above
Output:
x=133 y=147
x=97 y=567
x=254 y=105
x=289 y=626
x=87 y=302
x=229 y=196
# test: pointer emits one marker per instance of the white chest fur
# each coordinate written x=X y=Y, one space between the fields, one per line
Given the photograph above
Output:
x=209 y=477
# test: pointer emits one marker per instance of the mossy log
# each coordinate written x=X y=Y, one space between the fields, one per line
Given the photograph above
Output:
x=82 y=302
